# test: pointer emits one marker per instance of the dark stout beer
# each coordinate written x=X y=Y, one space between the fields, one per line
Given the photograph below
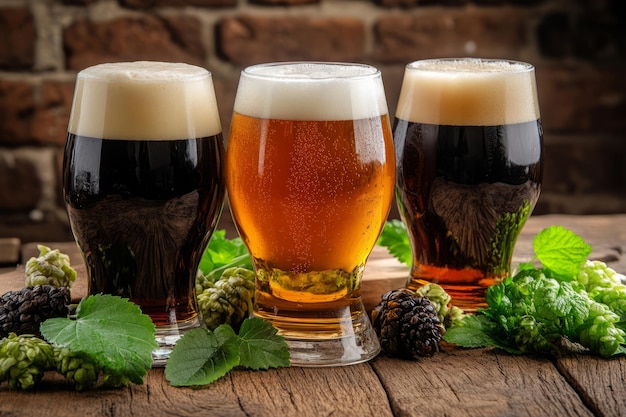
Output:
x=468 y=144
x=144 y=186
x=141 y=211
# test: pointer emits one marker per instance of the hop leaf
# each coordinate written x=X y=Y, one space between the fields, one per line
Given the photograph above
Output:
x=111 y=330
x=561 y=250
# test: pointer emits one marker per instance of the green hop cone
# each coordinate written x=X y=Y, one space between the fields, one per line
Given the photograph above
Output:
x=76 y=367
x=51 y=267
x=229 y=299
x=446 y=312
x=23 y=360
x=599 y=333
x=597 y=274
x=111 y=380
x=530 y=337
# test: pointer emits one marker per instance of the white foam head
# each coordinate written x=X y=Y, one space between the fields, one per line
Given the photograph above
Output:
x=468 y=92
x=144 y=100
x=311 y=91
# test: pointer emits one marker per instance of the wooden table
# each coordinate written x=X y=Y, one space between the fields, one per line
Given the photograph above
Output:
x=455 y=382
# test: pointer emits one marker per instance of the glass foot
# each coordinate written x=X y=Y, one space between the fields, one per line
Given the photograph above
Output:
x=167 y=336
x=345 y=340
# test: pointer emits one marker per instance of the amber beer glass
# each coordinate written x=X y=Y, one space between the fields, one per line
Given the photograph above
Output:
x=144 y=186
x=310 y=176
x=468 y=143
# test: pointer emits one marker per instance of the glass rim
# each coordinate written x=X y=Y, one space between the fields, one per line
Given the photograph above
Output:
x=422 y=65
x=370 y=71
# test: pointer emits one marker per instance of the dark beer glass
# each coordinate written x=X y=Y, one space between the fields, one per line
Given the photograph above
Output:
x=468 y=142
x=143 y=185
x=310 y=176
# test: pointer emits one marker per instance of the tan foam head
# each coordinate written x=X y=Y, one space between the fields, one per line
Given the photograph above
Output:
x=468 y=92
x=311 y=91
x=144 y=101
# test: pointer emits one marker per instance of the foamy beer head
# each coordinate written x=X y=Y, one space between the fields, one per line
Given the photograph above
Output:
x=311 y=91
x=468 y=92
x=144 y=101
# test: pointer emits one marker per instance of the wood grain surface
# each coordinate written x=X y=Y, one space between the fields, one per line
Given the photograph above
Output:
x=454 y=382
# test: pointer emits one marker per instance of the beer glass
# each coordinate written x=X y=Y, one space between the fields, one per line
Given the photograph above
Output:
x=468 y=142
x=143 y=185
x=310 y=176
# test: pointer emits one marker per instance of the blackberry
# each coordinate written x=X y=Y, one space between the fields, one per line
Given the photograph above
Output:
x=22 y=311
x=407 y=324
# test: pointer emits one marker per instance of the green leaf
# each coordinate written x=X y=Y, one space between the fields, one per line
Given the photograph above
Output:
x=201 y=356
x=222 y=253
x=561 y=250
x=261 y=347
x=109 y=329
x=476 y=331
x=396 y=239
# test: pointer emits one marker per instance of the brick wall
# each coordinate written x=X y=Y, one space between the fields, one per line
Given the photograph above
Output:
x=578 y=47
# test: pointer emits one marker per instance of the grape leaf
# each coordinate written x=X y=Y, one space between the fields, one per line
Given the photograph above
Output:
x=560 y=250
x=261 y=347
x=201 y=356
x=111 y=330
x=396 y=239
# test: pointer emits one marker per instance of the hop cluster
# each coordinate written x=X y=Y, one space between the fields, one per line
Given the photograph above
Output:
x=604 y=285
x=22 y=311
x=51 y=267
x=407 y=324
x=23 y=360
x=76 y=367
x=600 y=333
x=227 y=300
x=442 y=301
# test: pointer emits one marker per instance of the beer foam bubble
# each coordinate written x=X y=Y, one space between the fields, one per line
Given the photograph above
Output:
x=311 y=91
x=468 y=92
x=144 y=100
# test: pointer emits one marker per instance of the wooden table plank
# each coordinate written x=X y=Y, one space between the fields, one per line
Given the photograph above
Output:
x=289 y=392
x=477 y=382
x=600 y=382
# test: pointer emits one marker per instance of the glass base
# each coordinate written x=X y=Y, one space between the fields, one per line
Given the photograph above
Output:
x=352 y=341
x=167 y=336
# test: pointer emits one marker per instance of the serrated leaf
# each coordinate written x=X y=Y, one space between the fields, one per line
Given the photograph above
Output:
x=261 y=347
x=201 y=356
x=561 y=250
x=476 y=331
x=396 y=239
x=111 y=330
x=222 y=252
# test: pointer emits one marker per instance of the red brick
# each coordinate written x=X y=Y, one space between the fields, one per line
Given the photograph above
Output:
x=582 y=99
x=34 y=114
x=17 y=105
x=17 y=39
x=20 y=186
x=488 y=33
x=49 y=124
x=247 y=40
x=131 y=39
x=144 y=4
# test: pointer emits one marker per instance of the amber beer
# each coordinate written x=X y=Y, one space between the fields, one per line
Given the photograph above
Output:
x=144 y=186
x=468 y=143
x=310 y=176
